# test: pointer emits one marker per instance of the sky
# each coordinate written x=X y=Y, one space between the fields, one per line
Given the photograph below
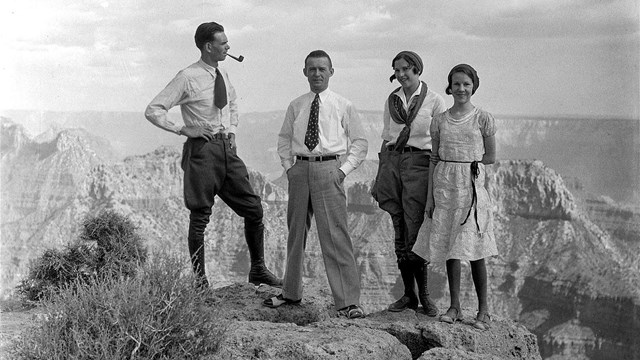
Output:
x=534 y=57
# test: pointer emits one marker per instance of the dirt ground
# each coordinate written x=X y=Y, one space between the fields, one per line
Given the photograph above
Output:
x=14 y=318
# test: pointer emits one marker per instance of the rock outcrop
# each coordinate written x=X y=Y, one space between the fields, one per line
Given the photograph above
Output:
x=313 y=330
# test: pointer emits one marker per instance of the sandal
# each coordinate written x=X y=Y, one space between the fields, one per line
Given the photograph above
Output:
x=449 y=317
x=482 y=321
x=352 y=312
x=278 y=301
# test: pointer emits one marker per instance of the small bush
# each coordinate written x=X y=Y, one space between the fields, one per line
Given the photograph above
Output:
x=56 y=268
x=108 y=247
x=157 y=314
x=119 y=248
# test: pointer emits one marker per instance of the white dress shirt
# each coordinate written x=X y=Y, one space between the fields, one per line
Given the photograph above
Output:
x=419 y=137
x=192 y=89
x=340 y=126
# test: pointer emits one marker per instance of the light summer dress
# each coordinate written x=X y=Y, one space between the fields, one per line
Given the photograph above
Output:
x=460 y=143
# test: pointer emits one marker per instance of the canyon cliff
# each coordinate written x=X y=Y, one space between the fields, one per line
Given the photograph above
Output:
x=565 y=269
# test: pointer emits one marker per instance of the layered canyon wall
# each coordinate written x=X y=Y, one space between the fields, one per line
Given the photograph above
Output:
x=567 y=277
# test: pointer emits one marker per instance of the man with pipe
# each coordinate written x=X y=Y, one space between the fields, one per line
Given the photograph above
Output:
x=211 y=165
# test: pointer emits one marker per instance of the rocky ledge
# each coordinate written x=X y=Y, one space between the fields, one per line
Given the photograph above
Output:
x=313 y=330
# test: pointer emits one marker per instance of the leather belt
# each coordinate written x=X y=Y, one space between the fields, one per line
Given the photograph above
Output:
x=408 y=149
x=317 y=158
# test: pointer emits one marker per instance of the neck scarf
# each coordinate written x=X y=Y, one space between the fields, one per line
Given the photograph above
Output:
x=400 y=116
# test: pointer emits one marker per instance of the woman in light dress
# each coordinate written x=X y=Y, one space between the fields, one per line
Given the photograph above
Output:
x=458 y=203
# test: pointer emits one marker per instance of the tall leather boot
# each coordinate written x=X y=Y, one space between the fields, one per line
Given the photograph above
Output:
x=420 y=270
x=409 y=300
x=259 y=274
x=197 y=224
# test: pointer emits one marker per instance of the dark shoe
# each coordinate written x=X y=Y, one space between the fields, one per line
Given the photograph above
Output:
x=409 y=300
x=278 y=301
x=404 y=303
x=420 y=272
x=482 y=321
x=262 y=275
x=259 y=274
x=452 y=315
x=352 y=312
x=429 y=307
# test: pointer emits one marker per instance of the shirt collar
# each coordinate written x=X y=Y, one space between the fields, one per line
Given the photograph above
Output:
x=400 y=93
x=323 y=95
x=208 y=67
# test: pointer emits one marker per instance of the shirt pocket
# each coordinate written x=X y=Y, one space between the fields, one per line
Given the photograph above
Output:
x=200 y=93
x=422 y=122
x=300 y=125
x=333 y=129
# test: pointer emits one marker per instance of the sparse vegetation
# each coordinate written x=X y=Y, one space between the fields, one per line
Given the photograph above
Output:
x=106 y=302
x=108 y=247
x=118 y=248
x=55 y=268
x=157 y=314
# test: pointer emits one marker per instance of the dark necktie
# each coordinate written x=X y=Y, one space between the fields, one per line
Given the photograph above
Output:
x=311 y=138
x=219 y=91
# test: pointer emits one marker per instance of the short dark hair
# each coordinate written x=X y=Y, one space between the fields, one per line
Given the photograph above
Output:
x=467 y=70
x=417 y=68
x=205 y=33
x=318 y=54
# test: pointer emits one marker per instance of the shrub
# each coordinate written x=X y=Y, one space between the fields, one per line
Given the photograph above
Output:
x=157 y=314
x=56 y=268
x=119 y=248
x=108 y=247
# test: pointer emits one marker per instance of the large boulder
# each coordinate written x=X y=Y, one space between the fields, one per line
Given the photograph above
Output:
x=323 y=340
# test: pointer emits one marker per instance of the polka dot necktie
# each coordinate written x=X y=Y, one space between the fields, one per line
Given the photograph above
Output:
x=311 y=138
x=219 y=91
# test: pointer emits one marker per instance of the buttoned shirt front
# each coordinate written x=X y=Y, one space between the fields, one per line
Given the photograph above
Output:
x=419 y=137
x=340 y=127
x=192 y=89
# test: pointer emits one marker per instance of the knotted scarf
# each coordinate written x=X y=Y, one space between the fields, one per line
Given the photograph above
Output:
x=400 y=116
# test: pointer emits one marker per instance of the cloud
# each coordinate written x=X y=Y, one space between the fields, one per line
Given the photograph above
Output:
x=124 y=48
x=367 y=21
x=25 y=24
x=548 y=19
